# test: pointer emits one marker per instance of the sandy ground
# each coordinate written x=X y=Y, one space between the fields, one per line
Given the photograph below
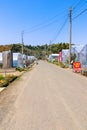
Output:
x=11 y=71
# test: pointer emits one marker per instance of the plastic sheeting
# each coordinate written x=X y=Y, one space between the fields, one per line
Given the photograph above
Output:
x=65 y=56
x=17 y=60
x=81 y=54
x=0 y=57
x=7 y=59
x=53 y=57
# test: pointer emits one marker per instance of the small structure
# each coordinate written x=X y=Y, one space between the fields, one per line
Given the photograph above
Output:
x=7 y=59
x=76 y=49
x=20 y=60
x=64 y=56
x=24 y=60
x=17 y=60
x=81 y=54
x=53 y=57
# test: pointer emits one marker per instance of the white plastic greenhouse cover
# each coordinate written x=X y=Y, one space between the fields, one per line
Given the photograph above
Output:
x=65 y=55
x=15 y=56
x=65 y=51
x=77 y=48
x=0 y=57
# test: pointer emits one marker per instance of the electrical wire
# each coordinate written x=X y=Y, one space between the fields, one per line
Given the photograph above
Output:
x=51 y=21
x=54 y=19
x=78 y=6
x=46 y=23
x=60 y=30
x=42 y=26
x=80 y=14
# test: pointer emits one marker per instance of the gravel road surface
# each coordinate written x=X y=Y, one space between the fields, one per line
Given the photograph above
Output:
x=46 y=98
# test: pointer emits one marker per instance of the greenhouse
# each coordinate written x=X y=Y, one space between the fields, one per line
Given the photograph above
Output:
x=76 y=49
x=65 y=56
x=0 y=57
x=53 y=57
x=7 y=59
x=81 y=54
x=17 y=60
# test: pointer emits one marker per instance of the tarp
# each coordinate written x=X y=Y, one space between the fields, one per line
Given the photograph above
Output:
x=0 y=57
x=65 y=56
x=83 y=56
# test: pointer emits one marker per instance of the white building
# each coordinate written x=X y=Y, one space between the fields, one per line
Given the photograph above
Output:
x=53 y=57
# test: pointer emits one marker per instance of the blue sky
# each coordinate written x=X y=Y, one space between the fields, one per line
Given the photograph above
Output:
x=43 y=21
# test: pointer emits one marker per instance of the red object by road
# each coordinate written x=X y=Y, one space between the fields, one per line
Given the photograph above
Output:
x=60 y=57
x=77 y=66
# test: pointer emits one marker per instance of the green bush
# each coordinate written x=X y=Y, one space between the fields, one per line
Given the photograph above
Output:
x=61 y=64
x=11 y=78
x=1 y=65
x=4 y=83
x=2 y=77
x=19 y=69
x=55 y=62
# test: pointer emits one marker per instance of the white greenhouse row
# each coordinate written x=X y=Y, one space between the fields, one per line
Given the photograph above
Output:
x=79 y=51
x=9 y=59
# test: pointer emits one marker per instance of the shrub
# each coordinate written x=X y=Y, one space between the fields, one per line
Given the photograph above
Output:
x=1 y=65
x=11 y=78
x=55 y=62
x=4 y=83
x=2 y=77
x=61 y=64
x=19 y=69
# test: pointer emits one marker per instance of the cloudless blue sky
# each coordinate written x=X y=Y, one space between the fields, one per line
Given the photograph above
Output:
x=42 y=21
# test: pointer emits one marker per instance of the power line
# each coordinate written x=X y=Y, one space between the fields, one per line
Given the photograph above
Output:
x=52 y=20
x=80 y=14
x=79 y=2
x=78 y=6
x=45 y=22
x=43 y=26
x=60 y=30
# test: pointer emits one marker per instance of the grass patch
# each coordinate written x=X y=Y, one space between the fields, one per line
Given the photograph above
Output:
x=4 y=81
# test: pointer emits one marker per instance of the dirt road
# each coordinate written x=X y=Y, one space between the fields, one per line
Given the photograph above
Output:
x=46 y=98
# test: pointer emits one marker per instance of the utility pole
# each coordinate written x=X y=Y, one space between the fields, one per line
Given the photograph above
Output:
x=22 y=38
x=70 y=37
